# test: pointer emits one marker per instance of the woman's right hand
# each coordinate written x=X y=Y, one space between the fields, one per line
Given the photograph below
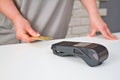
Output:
x=22 y=27
x=24 y=30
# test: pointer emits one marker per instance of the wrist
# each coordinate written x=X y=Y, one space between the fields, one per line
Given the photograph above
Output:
x=94 y=16
x=17 y=18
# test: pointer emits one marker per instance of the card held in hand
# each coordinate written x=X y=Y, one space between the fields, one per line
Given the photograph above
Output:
x=43 y=38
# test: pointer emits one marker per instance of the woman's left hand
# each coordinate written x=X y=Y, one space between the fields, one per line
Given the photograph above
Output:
x=98 y=25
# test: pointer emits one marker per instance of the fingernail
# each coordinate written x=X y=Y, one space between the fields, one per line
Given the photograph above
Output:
x=37 y=34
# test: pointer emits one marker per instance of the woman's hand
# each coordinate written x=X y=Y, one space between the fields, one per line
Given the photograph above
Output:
x=23 y=30
x=98 y=25
x=96 y=22
x=22 y=26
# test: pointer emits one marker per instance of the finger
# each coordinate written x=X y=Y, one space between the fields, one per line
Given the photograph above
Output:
x=106 y=34
x=110 y=34
x=25 y=38
x=92 y=33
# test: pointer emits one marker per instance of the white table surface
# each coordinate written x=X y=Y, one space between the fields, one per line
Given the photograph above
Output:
x=36 y=61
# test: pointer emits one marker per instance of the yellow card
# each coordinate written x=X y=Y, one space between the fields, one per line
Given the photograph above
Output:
x=41 y=38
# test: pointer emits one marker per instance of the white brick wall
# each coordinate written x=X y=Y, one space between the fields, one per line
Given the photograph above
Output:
x=79 y=24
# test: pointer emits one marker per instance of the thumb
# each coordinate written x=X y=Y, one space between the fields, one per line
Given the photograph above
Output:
x=32 y=32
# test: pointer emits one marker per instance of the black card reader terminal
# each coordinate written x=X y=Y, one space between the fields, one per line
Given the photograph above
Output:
x=93 y=54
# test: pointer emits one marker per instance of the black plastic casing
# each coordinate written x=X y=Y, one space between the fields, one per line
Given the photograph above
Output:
x=93 y=54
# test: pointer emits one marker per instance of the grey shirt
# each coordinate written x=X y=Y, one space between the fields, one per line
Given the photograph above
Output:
x=48 y=17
